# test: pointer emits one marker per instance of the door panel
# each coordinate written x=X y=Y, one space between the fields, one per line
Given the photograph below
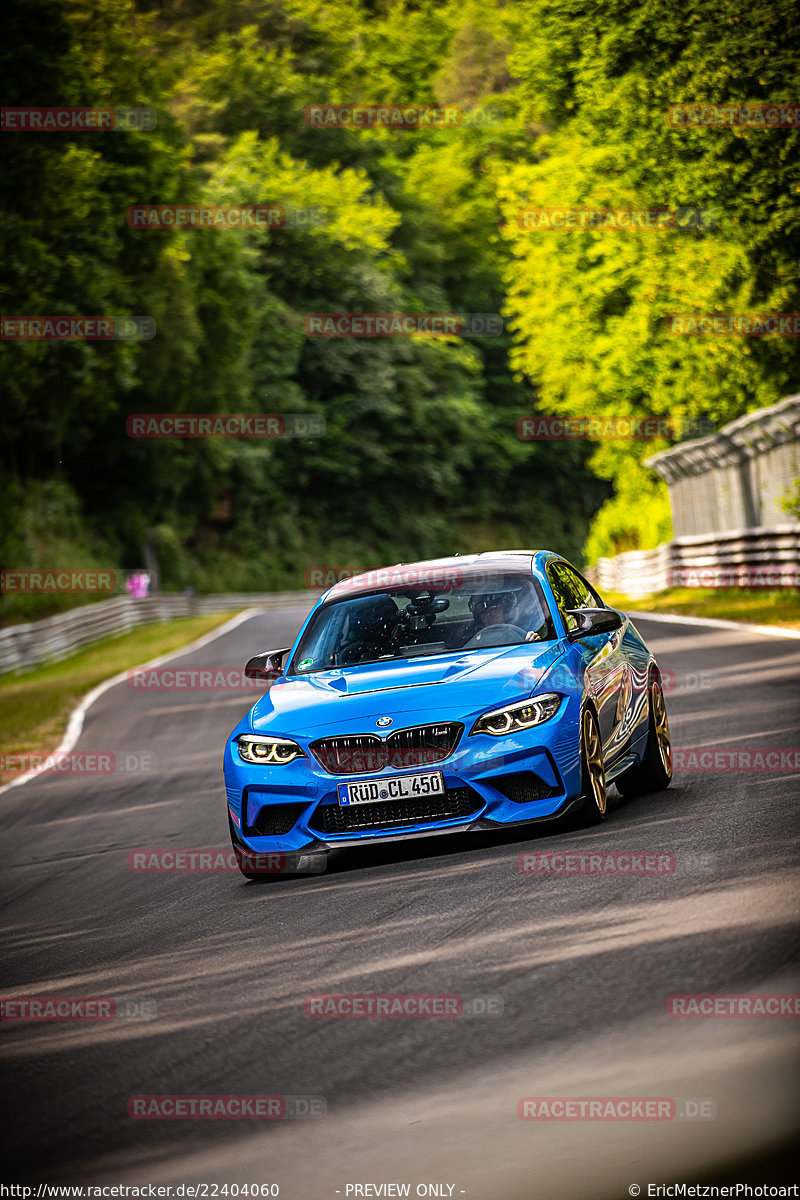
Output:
x=607 y=671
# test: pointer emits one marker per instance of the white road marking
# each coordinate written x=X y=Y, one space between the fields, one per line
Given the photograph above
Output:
x=75 y=724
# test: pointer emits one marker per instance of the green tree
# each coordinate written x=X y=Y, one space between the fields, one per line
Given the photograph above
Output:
x=590 y=305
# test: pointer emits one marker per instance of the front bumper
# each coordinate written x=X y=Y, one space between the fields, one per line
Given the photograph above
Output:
x=490 y=782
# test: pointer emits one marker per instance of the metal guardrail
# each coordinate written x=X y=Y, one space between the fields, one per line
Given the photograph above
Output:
x=763 y=553
x=635 y=573
x=53 y=638
x=738 y=477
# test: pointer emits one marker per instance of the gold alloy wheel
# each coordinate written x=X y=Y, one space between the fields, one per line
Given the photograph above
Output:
x=593 y=755
x=662 y=727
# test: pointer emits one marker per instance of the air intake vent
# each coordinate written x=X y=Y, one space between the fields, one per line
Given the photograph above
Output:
x=274 y=819
x=419 y=810
x=524 y=788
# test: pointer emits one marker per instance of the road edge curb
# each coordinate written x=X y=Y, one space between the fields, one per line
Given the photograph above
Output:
x=76 y=717
x=713 y=622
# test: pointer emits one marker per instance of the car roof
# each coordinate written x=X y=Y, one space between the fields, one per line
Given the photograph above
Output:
x=407 y=574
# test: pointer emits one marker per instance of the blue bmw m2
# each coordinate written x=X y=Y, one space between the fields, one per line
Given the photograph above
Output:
x=458 y=694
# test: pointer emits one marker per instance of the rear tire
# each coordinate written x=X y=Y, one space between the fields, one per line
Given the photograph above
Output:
x=655 y=773
x=594 y=809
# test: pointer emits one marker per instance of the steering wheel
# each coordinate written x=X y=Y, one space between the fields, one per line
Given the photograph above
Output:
x=485 y=637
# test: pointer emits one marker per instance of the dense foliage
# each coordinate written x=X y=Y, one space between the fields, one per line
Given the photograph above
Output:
x=562 y=105
x=591 y=306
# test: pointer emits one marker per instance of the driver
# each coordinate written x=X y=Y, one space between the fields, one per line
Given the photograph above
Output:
x=496 y=608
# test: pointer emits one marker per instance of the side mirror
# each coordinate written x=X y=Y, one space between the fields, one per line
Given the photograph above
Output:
x=593 y=620
x=266 y=666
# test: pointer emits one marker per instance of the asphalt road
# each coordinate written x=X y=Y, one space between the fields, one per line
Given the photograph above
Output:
x=582 y=965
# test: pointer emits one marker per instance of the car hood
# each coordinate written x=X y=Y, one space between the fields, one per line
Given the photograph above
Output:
x=445 y=686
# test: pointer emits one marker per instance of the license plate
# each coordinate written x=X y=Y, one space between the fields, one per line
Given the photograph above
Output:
x=373 y=791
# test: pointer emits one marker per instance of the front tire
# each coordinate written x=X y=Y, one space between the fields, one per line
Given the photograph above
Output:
x=594 y=809
x=655 y=773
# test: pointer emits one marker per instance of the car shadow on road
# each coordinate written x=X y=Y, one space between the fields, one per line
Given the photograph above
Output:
x=421 y=850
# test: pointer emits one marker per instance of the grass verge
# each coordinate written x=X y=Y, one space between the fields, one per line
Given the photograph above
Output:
x=35 y=704
x=779 y=608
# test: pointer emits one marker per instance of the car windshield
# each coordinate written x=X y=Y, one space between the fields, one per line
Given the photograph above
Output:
x=467 y=610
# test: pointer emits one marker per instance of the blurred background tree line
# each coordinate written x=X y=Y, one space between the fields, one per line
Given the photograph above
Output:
x=564 y=105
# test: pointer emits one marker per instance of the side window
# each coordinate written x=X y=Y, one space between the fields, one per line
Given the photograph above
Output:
x=588 y=597
x=561 y=591
x=570 y=591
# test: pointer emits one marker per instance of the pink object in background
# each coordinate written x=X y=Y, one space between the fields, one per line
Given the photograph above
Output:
x=138 y=585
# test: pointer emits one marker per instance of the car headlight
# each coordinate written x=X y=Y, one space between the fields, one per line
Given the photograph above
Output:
x=521 y=715
x=273 y=751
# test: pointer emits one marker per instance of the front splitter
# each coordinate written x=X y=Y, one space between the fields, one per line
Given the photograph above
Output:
x=479 y=825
